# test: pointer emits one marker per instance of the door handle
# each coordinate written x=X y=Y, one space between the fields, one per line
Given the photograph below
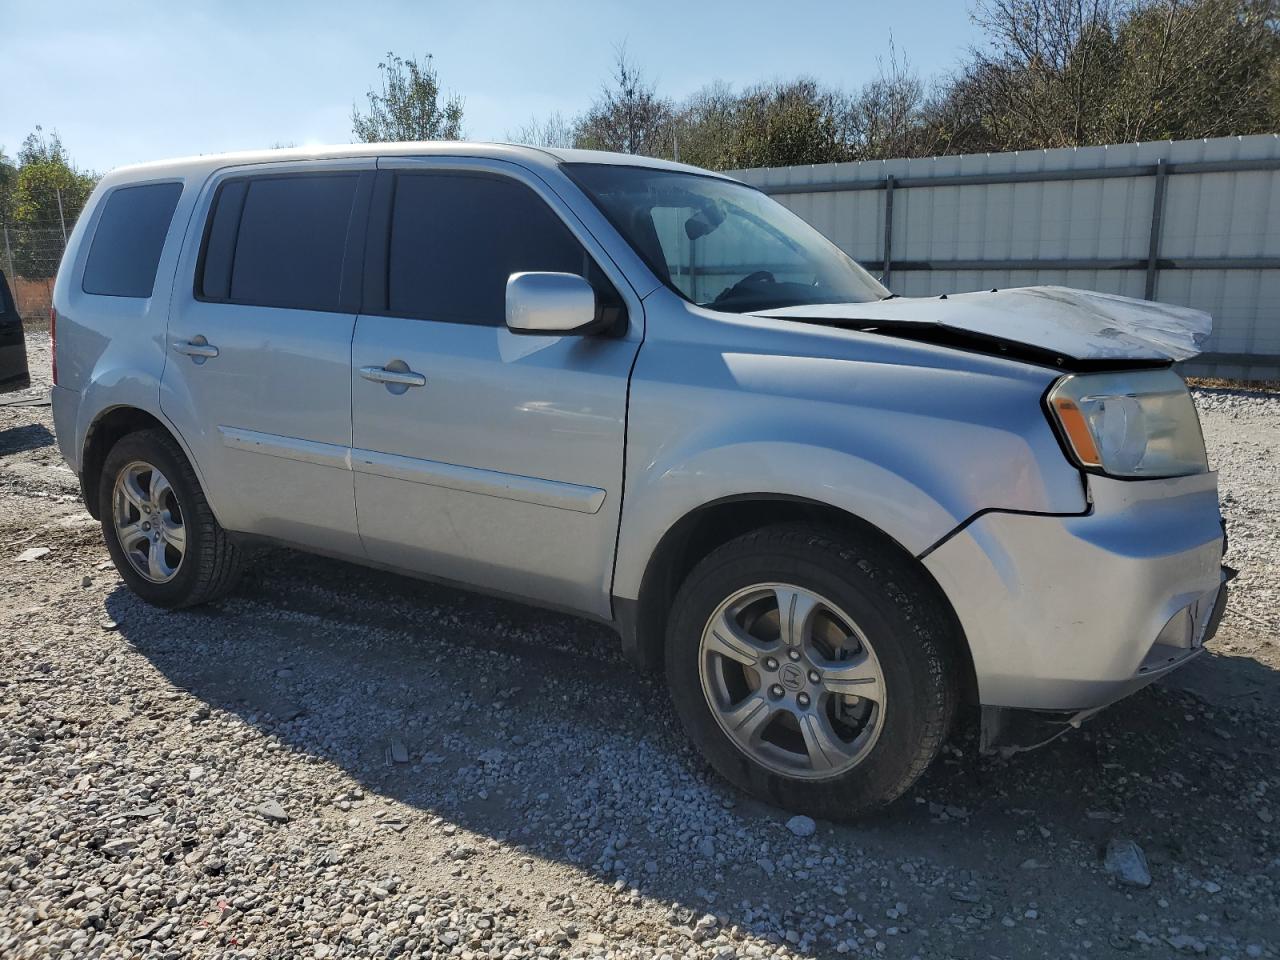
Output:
x=403 y=378
x=198 y=348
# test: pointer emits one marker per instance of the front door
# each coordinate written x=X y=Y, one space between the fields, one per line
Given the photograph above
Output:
x=483 y=456
x=257 y=378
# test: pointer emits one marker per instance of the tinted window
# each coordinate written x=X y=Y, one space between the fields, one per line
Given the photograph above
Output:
x=128 y=240
x=456 y=238
x=289 y=245
x=220 y=242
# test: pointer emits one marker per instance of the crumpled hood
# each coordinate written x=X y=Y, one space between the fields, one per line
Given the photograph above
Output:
x=1073 y=324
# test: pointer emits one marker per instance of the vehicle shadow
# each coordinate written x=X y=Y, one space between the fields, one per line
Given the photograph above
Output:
x=29 y=436
x=1235 y=681
x=529 y=727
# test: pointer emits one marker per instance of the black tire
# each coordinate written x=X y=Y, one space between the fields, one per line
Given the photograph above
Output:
x=212 y=562
x=905 y=622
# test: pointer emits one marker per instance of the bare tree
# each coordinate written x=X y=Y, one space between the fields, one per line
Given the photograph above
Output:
x=1045 y=66
x=883 y=119
x=408 y=107
x=628 y=116
x=554 y=131
x=1196 y=69
x=1052 y=73
x=1074 y=72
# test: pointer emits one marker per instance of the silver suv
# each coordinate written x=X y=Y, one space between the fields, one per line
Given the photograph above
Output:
x=647 y=394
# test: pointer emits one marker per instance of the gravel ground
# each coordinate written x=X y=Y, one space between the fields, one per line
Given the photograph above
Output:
x=337 y=763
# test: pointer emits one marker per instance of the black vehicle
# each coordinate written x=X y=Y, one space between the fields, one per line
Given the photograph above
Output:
x=13 y=344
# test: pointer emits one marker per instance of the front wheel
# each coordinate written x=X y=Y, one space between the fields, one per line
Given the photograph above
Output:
x=814 y=671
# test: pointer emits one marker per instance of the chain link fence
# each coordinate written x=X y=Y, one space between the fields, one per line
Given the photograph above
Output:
x=29 y=254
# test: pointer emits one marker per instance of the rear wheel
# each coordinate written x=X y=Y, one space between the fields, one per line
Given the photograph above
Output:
x=813 y=671
x=159 y=529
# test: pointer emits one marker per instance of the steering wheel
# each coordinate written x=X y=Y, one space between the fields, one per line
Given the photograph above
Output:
x=759 y=276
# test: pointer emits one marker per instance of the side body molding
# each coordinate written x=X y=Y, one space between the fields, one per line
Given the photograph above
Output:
x=490 y=483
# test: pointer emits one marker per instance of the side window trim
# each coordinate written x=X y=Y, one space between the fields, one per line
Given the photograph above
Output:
x=351 y=290
x=226 y=246
x=351 y=281
x=377 y=250
x=377 y=254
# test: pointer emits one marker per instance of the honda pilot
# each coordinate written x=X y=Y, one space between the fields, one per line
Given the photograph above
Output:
x=650 y=395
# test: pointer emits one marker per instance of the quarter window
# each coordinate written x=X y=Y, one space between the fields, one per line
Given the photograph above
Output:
x=129 y=239
x=457 y=237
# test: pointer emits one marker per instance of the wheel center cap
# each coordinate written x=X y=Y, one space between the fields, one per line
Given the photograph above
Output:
x=791 y=677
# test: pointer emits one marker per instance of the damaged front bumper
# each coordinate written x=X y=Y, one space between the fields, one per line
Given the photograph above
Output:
x=1066 y=615
x=1010 y=730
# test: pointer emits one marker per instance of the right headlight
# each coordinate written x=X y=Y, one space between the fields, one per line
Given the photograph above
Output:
x=1139 y=423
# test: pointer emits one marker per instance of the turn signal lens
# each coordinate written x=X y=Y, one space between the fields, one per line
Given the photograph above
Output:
x=53 y=343
x=1076 y=428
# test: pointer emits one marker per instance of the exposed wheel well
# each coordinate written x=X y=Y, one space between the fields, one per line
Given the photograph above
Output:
x=105 y=432
x=698 y=533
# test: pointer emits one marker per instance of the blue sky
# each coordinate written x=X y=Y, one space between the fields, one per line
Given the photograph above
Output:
x=128 y=81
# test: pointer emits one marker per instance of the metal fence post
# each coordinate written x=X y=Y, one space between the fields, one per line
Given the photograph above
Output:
x=1153 y=240
x=887 y=274
x=62 y=220
x=8 y=252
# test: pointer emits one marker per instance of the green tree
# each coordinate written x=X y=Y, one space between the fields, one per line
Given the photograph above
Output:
x=8 y=177
x=771 y=124
x=796 y=121
x=408 y=105
x=47 y=196
x=705 y=128
x=768 y=124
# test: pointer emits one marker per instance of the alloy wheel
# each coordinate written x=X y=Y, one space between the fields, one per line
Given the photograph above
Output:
x=148 y=521
x=792 y=680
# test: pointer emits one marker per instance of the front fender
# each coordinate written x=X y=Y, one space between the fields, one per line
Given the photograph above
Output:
x=760 y=469
x=914 y=451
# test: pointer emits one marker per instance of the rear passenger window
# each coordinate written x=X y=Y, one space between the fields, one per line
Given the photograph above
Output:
x=456 y=238
x=129 y=239
x=279 y=241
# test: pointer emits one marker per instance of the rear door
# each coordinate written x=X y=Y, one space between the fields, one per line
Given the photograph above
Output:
x=498 y=462
x=257 y=377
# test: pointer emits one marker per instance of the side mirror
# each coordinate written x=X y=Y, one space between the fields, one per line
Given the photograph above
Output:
x=550 y=304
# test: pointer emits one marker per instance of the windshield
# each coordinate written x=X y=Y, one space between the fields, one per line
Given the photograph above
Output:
x=722 y=244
